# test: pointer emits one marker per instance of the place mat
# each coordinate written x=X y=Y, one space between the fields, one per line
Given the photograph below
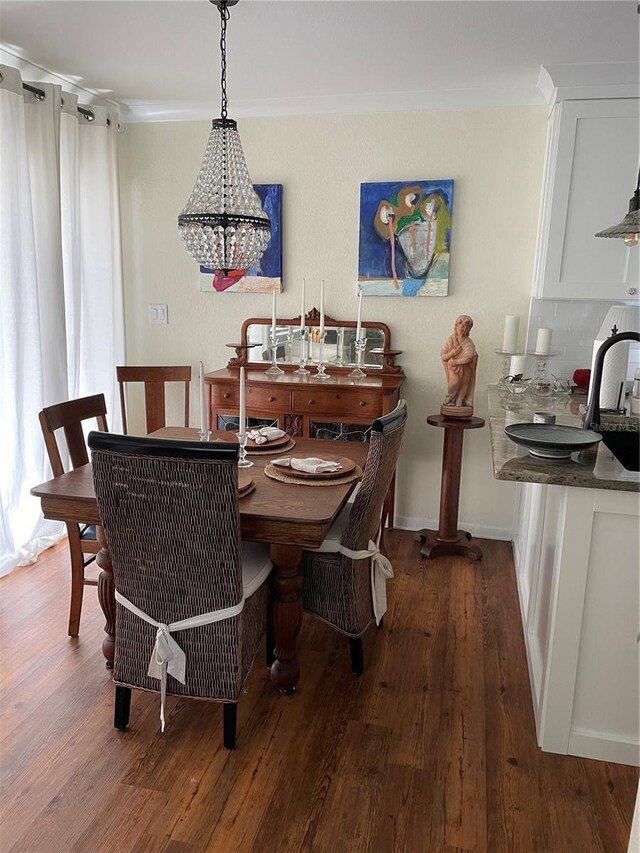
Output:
x=348 y=465
x=261 y=449
x=276 y=473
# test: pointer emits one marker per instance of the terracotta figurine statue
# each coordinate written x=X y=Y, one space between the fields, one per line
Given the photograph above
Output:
x=460 y=360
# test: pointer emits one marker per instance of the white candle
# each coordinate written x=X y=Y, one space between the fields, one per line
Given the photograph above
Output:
x=243 y=417
x=359 y=326
x=203 y=408
x=518 y=365
x=543 y=341
x=510 y=336
x=273 y=315
x=322 y=308
x=302 y=316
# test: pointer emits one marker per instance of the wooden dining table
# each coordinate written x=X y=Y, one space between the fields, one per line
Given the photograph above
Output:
x=287 y=516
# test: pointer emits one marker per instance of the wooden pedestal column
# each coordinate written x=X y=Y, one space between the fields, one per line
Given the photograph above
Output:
x=448 y=539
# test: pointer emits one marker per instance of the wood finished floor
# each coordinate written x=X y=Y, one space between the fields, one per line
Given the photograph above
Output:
x=432 y=749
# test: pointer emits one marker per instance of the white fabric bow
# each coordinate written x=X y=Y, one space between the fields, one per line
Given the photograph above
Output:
x=167 y=657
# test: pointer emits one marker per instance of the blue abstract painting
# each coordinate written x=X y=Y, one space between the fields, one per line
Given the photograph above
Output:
x=405 y=238
x=266 y=275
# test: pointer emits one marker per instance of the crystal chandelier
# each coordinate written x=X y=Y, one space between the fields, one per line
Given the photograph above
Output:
x=223 y=225
x=629 y=228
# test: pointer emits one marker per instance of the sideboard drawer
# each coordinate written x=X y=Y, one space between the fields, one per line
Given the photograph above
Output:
x=365 y=404
x=225 y=396
x=272 y=399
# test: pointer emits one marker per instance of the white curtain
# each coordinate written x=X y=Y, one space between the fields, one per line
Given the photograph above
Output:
x=61 y=305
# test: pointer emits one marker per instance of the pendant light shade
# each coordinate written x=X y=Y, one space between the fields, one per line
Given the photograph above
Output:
x=629 y=229
x=223 y=226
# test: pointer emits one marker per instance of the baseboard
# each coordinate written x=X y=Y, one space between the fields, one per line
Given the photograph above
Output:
x=604 y=747
x=408 y=523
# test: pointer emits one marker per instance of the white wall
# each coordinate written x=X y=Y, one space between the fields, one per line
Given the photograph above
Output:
x=495 y=157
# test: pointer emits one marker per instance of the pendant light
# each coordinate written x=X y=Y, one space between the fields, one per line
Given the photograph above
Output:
x=223 y=225
x=629 y=228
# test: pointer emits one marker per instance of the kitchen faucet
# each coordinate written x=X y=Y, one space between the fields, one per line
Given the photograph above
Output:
x=592 y=418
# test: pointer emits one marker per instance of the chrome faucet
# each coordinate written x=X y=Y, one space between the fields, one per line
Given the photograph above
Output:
x=592 y=418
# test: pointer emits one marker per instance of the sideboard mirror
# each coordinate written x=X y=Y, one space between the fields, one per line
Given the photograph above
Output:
x=339 y=344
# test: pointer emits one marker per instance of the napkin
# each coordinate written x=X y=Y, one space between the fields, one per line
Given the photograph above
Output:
x=265 y=434
x=310 y=465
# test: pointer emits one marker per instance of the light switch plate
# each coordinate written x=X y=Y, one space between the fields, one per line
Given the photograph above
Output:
x=159 y=315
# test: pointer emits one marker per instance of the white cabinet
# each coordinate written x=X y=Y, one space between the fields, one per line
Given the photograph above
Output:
x=590 y=175
x=577 y=564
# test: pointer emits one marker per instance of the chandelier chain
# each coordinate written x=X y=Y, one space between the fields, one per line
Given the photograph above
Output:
x=224 y=17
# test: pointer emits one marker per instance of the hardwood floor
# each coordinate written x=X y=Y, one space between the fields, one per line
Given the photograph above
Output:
x=432 y=749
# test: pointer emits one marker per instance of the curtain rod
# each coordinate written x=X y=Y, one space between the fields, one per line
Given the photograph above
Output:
x=41 y=95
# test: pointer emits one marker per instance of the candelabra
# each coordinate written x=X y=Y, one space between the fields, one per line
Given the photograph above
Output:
x=304 y=352
x=358 y=372
x=274 y=370
x=322 y=373
x=243 y=462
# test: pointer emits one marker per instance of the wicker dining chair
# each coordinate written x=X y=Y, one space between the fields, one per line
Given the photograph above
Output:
x=83 y=544
x=337 y=586
x=171 y=520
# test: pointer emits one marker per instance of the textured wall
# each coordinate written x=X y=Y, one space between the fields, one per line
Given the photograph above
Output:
x=495 y=157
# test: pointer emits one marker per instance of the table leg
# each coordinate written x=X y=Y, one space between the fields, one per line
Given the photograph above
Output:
x=106 y=596
x=286 y=615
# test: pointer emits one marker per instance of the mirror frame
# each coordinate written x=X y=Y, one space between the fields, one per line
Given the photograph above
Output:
x=312 y=319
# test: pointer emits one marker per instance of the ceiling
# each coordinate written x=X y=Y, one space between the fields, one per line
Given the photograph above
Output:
x=160 y=59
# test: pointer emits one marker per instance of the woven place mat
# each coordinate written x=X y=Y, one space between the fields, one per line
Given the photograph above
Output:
x=276 y=474
x=271 y=451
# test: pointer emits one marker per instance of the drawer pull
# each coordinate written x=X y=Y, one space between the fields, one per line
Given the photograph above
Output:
x=271 y=399
x=311 y=402
x=362 y=403
x=226 y=395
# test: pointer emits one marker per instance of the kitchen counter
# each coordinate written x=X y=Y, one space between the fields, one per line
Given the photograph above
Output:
x=595 y=468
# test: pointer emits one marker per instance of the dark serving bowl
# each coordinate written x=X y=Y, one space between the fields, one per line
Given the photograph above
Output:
x=551 y=441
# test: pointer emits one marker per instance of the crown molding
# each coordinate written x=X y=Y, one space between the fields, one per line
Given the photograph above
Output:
x=585 y=81
x=32 y=73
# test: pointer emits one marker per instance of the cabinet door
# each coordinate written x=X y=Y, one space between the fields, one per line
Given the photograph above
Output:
x=591 y=170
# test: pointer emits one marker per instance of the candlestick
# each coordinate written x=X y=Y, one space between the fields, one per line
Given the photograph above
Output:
x=359 y=324
x=242 y=425
x=358 y=372
x=543 y=341
x=303 y=320
x=303 y=352
x=322 y=373
x=510 y=336
x=273 y=315
x=322 y=308
x=243 y=462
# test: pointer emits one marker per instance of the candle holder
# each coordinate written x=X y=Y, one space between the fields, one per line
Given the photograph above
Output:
x=304 y=349
x=204 y=434
x=274 y=370
x=358 y=372
x=541 y=383
x=243 y=462
x=322 y=373
x=506 y=362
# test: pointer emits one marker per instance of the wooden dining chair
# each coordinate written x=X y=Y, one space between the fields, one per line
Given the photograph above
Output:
x=69 y=417
x=341 y=578
x=154 y=379
x=191 y=598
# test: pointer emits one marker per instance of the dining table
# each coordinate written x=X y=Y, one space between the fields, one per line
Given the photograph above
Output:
x=289 y=517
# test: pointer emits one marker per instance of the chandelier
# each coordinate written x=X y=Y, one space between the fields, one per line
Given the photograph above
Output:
x=629 y=228
x=223 y=225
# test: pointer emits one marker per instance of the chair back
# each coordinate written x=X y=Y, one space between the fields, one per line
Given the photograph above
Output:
x=69 y=416
x=384 y=448
x=171 y=520
x=154 y=379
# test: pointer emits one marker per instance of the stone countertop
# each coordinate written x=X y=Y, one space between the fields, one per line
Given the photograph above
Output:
x=595 y=468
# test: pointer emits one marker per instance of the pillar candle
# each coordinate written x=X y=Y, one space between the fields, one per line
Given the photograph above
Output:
x=302 y=315
x=321 y=331
x=510 y=336
x=518 y=365
x=273 y=315
x=203 y=408
x=543 y=341
x=359 y=326
x=243 y=417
